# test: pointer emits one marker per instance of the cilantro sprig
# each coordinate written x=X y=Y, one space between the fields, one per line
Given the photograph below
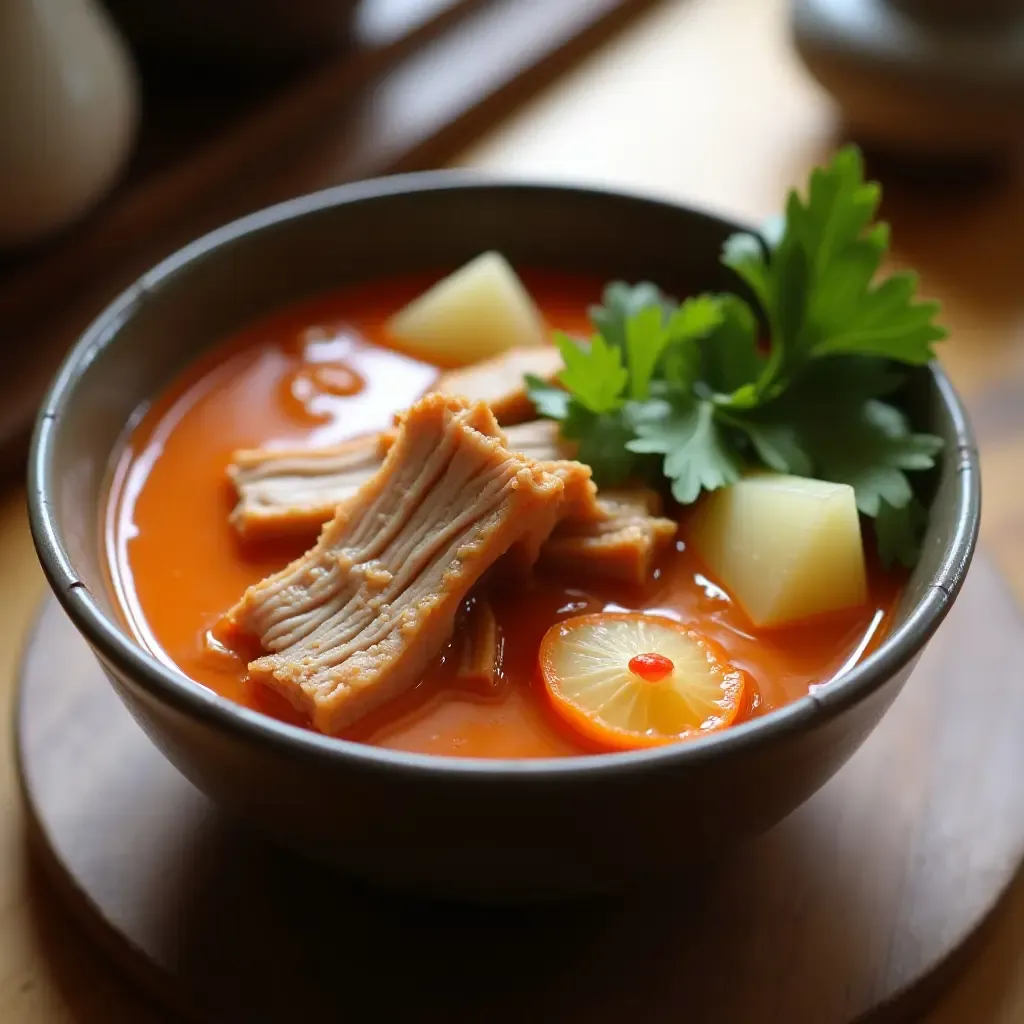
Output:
x=688 y=391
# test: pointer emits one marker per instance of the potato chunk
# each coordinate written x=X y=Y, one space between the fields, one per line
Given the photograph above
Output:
x=479 y=311
x=787 y=548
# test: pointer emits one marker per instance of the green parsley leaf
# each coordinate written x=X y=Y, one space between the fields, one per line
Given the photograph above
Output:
x=729 y=353
x=693 y=384
x=778 y=445
x=646 y=339
x=601 y=438
x=882 y=321
x=622 y=301
x=697 y=456
x=817 y=284
x=833 y=425
x=696 y=318
x=689 y=325
x=898 y=532
x=602 y=443
x=870 y=447
x=550 y=401
x=594 y=375
x=748 y=256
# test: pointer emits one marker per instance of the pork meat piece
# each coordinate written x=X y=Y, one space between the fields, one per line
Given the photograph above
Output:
x=621 y=542
x=293 y=492
x=499 y=381
x=356 y=620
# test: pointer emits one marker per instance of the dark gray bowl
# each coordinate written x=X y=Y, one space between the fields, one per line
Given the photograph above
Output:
x=489 y=829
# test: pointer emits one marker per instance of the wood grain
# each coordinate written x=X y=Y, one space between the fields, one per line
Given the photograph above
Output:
x=842 y=909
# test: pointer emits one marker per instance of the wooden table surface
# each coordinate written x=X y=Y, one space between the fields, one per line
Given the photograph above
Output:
x=701 y=100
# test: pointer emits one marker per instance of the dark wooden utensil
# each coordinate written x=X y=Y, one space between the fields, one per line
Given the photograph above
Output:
x=237 y=30
x=400 y=101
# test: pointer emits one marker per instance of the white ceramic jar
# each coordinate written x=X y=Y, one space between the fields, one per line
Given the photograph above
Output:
x=68 y=110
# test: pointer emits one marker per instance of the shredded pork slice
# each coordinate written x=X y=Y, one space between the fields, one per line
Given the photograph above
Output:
x=357 y=619
x=293 y=492
x=499 y=381
x=614 y=534
x=540 y=440
x=480 y=644
x=620 y=544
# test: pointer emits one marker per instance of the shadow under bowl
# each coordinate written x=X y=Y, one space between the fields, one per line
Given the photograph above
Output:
x=492 y=830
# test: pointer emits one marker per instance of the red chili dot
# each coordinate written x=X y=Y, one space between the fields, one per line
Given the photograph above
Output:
x=652 y=668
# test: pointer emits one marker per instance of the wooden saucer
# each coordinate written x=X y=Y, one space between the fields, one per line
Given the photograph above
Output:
x=855 y=904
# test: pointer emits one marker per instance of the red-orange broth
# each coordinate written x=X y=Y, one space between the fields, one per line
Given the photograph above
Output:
x=322 y=372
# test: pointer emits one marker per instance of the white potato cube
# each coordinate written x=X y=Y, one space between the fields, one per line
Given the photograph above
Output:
x=787 y=548
x=479 y=311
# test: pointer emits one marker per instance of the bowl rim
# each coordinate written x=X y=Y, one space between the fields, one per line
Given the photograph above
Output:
x=172 y=687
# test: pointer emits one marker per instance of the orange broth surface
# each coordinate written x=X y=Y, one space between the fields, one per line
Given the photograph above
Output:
x=323 y=372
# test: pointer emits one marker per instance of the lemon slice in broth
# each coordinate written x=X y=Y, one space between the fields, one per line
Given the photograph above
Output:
x=628 y=680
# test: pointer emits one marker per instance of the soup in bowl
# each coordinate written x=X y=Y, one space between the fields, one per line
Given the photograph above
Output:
x=476 y=538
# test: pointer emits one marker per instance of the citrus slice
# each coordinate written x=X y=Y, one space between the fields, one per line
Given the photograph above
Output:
x=629 y=680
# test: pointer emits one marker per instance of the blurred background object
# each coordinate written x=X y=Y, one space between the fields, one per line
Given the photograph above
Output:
x=237 y=30
x=206 y=67
x=68 y=109
x=417 y=81
x=245 y=36
x=934 y=78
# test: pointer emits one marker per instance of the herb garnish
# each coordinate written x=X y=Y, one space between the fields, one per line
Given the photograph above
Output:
x=691 y=383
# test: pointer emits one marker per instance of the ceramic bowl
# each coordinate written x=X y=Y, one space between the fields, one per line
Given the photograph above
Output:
x=467 y=828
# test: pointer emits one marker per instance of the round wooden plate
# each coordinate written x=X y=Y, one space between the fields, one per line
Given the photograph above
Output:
x=847 y=907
